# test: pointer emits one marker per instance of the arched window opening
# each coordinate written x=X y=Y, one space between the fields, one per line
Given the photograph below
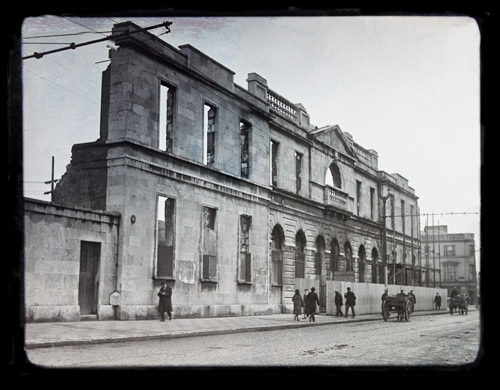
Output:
x=335 y=254
x=348 y=256
x=375 y=267
x=320 y=255
x=300 y=256
x=277 y=240
x=333 y=177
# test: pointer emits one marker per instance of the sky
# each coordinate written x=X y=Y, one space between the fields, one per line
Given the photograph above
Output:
x=407 y=87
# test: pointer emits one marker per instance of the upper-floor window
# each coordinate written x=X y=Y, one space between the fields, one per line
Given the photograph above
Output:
x=403 y=215
x=471 y=250
x=358 y=197
x=298 y=172
x=450 y=272
x=274 y=145
x=449 y=250
x=372 y=203
x=209 y=122
x=245 y=148
x=165 y=237
x=166 y=119
x=333 y=177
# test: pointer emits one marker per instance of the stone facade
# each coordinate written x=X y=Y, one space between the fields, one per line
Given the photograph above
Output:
x=229 y=194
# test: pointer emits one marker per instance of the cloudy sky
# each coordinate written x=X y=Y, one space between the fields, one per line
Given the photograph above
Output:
x=407 y=87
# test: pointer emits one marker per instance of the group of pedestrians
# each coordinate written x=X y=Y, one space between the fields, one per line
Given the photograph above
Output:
x=306 y=304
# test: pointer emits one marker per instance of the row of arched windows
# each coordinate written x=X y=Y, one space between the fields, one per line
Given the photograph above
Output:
x=333 y=264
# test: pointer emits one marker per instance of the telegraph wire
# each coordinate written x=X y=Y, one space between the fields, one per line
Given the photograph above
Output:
x=73 y=45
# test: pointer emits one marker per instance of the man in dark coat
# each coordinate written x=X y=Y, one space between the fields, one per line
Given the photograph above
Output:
x=437 y=301
x=350 y=302
x=311 y=300
x=165 y=305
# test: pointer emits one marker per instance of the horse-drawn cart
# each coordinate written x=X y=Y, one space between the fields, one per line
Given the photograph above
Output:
x=459 y=304
x=400 y=304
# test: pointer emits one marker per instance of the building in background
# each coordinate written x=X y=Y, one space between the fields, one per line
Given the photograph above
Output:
x=453 y=256
x=229 y=194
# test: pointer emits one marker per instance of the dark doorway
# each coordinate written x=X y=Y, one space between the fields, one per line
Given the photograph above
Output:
x=90 y=252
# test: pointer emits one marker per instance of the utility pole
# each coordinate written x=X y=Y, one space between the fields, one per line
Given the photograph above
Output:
x=439 y=254
x=384 y=236
x=51 y=182
x=433 y=254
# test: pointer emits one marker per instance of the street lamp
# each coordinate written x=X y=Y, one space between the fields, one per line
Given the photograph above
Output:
x=384 y=233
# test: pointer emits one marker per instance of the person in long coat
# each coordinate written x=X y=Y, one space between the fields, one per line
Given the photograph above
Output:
x=165 y=304
x=311 y=301
x=339 y=302
x=298 y=303
x=350 y=302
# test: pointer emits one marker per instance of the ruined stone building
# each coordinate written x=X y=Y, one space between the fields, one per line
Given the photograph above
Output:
x=230 y=194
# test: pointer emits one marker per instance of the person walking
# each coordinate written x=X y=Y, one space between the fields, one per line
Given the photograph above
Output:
x=384 y=295
x=306 y=291
x=437 y=301
x=350 y=302
x=413 y=300
x=311 y=301
x=298 y=303
x=165 y=304
x=339 y=302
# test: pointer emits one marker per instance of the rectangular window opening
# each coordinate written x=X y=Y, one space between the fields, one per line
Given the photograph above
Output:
x=274 y=163
x=245 y=149
x=165 y=236
x=298 y=172
x=209 y=116
x=245 y=265
x=165 y=127
x=209 y=245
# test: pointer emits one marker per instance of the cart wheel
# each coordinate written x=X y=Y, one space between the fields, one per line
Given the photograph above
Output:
x=407 y=311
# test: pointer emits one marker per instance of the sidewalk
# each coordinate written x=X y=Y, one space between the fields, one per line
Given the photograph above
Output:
x=51 y=334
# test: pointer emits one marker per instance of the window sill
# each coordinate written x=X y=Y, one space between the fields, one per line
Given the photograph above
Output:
x=245 y=282
x=209 y=281
x=171 y=278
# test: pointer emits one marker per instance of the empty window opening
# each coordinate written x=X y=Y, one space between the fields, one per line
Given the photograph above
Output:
x=209 y=116
x=298 y=172
x=209 y=245
x=165 y=136
x=245 y=265
x=274 y=163
x=333 y=177
x=165 y=233
x=277 y=240
x=358 y=197
x=300 y=256
x=245 y=149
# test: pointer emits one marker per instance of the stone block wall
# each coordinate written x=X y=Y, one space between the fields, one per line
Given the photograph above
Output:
x=53 y=237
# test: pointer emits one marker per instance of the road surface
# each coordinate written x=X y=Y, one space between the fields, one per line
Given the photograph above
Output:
x=424 y=341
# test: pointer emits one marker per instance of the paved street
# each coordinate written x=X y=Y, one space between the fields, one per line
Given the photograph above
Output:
x=425 y=340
